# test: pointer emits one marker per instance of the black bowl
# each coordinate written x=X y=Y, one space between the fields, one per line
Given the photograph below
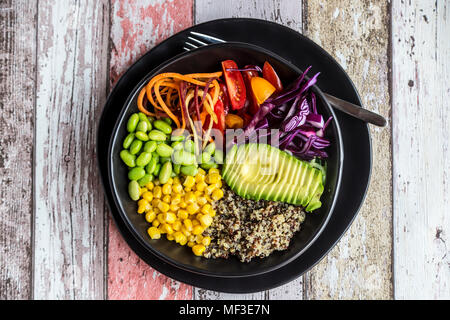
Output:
x=207 y=59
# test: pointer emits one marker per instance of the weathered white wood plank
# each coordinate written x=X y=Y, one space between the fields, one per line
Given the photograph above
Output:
x=421 y=171
x=17 y=76
x=69 y=257
x=288 y=13
x=356 y=33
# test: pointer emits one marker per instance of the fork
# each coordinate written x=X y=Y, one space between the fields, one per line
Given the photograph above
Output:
x=197 y=39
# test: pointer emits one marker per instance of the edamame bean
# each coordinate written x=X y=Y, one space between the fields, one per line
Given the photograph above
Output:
x=189 y=170
x=143 y=159
x=151 y=166
x=128 y=158
x=128 y=140
x=132 y=122
x=165 y=172
x=142 y=116
x=145 y=179
x=179 y=137
x=162 y=126
x=142 y=126
x=156 y=156
x=177 y=145
x=150 y=146
x=176 y=168
x=157 y=169
x=210 y=148
x=164 y=150
x=209 y=165
x=163 y=160
x=205 y=157
x=168 y=120
x=183 y=157
x=136 y=173
x=134 y=190
x=189 y=146
x=218 y=156
x=141 y=136
x=157 y=135
x=136 y=146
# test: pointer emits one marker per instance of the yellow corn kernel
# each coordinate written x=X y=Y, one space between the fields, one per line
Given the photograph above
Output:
x=142 y=202
x=174 y=207
x=150 y=185
x=150 y=216
x=177 y=188
x=156 y=210
x=170 y=217
x=206 y=220
x=209 y=189
x=199 y=238
x=212 y=213
x=201 y=171
x=195 y=222
x=182 y=214
x=166 y=198
x=176 y=199
x=206 y=241
x=212 y=178
x=176 y=225
x=167 y=228
x=219 y=184
x=176 y=180
x=142 y=190
x=160 y=218
x=148 y=196
x=188 y=224
x=199 y=178
x=202 y=201
x=201 y=186
x=191 y=244
x=189 y=198
x=197 y=194
x=155 y=202
x=170 y=237
x=167 y=188
x=213 y=171
x=206 y=209
x=208 y=198
x=192 y=208
x=187 y=189
x=164 y=207
x=185 y=231
x=198 y=249
x=182 y=204
x=170 y=181
x=141 y=209
x=198 y=216
x=178 y=236
x=157 y=192
x=217 y=194
x=189 y=182
x=154 y=233
x=183 y=241
x=156 y=223
x=198 y=229
x=191 y=238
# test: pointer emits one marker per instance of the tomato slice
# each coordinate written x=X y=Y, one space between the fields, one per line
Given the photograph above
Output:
x=252 y=104
x=235 y=84
x=223 y=95
x=270 y=75
x=262 y=89
x=220 y=112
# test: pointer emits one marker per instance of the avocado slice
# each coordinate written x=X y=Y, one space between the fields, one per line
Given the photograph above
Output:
x=260 y=171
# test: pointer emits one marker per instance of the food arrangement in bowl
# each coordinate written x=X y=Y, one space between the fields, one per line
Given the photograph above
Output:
x=228 y=162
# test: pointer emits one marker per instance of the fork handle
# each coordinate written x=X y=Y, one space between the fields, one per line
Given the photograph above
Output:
x=356 y=111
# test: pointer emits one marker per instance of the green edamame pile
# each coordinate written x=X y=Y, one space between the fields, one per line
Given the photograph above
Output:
x=151 y=151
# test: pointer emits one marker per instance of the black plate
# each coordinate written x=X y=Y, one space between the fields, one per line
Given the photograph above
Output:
x=302 y=52
x=207 y=59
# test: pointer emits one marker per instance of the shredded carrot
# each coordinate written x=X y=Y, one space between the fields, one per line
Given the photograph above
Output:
x=140 y=105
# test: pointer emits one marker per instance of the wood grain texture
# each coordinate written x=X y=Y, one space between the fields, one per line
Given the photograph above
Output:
x=71 y=88
x=288 y=13
x=356 y=33
x=421 y=123
x=136 y=28
x=17 y=85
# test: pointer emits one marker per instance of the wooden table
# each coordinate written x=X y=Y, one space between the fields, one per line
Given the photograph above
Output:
x=60 y=58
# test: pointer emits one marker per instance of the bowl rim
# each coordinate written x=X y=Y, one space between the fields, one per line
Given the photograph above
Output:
x=190 y=268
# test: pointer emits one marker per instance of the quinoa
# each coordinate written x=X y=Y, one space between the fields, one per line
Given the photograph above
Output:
x=249 y=229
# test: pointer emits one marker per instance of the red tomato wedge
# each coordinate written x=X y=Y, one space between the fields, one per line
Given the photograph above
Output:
x=270 y=75
x=235 y=84
x=220 y=112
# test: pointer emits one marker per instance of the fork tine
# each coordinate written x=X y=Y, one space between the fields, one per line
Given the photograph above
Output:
x=198 y=41
x=193 y=46
x=206 y=37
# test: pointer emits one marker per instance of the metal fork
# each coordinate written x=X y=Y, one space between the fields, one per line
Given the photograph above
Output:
x=196 y=40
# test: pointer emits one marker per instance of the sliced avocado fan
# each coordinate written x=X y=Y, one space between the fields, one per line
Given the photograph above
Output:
x=260 y=171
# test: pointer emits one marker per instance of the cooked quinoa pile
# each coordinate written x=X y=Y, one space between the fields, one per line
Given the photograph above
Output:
x=248 y=228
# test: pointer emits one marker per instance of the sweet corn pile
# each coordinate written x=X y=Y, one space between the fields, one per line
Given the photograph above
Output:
x=182 y=210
